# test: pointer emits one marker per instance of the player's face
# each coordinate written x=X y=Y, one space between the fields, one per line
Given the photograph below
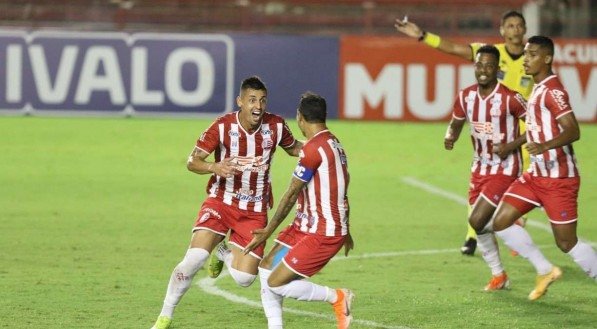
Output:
x=252 y=104
x=513 y=30
x=535 y=59
x=486 y=68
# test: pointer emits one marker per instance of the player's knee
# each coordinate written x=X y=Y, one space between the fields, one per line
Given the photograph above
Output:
x=278 y=290
x=267 y=261
x=566 y=245
x=476 y=223
x=243 y=279
x=193 y=260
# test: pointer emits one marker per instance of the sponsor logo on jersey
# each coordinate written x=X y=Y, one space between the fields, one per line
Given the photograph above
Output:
x=252 y=164
x=520 y=99
x=558 y=96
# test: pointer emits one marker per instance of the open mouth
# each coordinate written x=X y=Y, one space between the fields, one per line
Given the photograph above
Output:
x=256 y=114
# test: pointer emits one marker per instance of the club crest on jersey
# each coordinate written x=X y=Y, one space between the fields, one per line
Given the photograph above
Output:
x=495 y=110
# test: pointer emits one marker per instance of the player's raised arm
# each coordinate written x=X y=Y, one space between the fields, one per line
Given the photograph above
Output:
x=433 y=40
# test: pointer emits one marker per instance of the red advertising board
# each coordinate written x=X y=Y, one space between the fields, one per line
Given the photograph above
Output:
x=396 y=78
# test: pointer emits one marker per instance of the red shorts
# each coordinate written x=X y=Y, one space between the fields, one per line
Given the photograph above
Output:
x=492 y=187
x=558 y=196
x=289 y=236
x=218 y=217
x=309 y=253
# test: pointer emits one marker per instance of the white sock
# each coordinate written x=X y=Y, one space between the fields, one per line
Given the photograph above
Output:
x=304 y=290
x=585 y=257
x=243 y=279
x=181 y=278
x=272 y=303
x=517 y=239
x=490 y=252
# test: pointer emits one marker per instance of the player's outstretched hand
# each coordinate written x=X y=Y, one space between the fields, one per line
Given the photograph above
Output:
x=502 y=150
x=225 y=168
x=348 y=244
x=409 y=28
x=259 y=236
x=535 y=148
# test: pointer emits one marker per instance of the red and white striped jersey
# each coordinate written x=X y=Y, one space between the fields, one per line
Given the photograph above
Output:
x=492 y=120
x=251 y=189
x=322 y=206
x=549 y=102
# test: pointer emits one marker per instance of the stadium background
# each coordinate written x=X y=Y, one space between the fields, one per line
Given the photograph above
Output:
x=95 y=212
x=188 y=57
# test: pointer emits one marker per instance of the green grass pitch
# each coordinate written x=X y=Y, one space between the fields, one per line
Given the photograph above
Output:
x=96 y=212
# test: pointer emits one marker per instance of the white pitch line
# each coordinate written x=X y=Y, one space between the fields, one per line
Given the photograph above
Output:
x=463 y=201
x=208 y=285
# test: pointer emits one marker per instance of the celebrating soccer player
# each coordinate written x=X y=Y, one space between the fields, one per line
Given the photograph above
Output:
x=493 y=112
x=511 y=72
x=239 y=192
x=553 y=180
x=320 y=227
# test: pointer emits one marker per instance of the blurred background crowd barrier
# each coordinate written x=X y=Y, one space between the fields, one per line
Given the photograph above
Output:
x=187 y=57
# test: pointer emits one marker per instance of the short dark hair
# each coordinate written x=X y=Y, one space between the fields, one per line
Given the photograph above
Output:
x=254 y=83
x=313 y=107
x=543 y=42
x=512 y=13
x=490 y=49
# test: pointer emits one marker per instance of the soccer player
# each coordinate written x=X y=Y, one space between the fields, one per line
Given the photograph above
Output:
x=239 y=191
x=511 y=72
x=553 y=180
x=493 y=112
x=320 y=227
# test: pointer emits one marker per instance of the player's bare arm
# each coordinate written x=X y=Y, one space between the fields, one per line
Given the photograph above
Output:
x=414 y=31
x=570 y=133
x=503 y=150
x=284 y=207
x=197 y=164
x=452 y=133
x=295 y=148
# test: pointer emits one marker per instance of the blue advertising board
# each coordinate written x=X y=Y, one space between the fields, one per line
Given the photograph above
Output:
x=190 y=74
